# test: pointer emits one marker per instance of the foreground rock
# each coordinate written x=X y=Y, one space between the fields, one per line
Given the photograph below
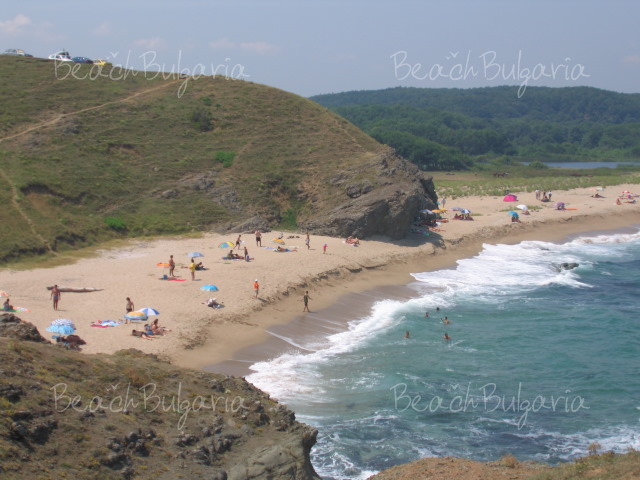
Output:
x=129 y=415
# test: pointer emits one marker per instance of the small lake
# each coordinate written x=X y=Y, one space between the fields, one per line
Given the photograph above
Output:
x=586 y=164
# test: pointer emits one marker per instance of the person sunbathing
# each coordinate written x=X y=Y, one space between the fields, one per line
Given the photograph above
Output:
x=233 y=256
x=200 y=266
x=281 y=249
x=157 y=329
x=213 y=303
x=138 y=333
x=352 y=241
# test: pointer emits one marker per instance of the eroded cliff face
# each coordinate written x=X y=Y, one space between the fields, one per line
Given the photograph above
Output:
x=381 y=198
x=130 y=415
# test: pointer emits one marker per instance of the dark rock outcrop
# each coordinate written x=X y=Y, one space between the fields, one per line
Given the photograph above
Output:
x=386 y=207
x=12 y=327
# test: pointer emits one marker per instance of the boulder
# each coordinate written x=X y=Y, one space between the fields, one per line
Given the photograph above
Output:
x=13 y=327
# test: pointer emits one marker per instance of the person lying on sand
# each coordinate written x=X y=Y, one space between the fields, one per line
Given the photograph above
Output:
x=353 y=241
x=213 y=303
x=138 y=333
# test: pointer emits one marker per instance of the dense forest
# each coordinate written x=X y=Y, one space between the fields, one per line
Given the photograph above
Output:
x=442 y=129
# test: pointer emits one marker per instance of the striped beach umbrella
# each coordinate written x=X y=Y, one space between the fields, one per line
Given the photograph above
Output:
x=136 y=316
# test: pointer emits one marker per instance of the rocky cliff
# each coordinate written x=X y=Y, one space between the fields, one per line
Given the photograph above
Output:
x=129 y=415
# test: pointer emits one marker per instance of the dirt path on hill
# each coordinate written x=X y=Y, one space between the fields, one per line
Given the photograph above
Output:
x=14 y=190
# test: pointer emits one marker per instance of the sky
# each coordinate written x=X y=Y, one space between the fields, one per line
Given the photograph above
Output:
x=313 y=47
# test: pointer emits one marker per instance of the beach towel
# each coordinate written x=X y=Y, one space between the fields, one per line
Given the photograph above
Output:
x=173 y=279
x=17 y=309
x=106 y=323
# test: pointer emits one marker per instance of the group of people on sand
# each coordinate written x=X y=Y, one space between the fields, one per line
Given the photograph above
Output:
x=543 y=196
x=151 y=331
x=445 y=321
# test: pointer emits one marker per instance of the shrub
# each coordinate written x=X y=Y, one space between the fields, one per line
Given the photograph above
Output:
x=115 y=223
x=201 y=117
x=226 y=158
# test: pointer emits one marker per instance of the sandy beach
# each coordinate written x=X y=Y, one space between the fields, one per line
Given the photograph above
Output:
x=203 y=336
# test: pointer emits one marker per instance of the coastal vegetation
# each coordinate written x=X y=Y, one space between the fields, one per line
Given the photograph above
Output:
x=99 y=153
x=451 y=129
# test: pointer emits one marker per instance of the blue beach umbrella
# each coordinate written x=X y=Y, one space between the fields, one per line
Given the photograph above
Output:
x=210 y=288
x=194 y=254
x=148 y=311
x=62 y=326
x=513 y=214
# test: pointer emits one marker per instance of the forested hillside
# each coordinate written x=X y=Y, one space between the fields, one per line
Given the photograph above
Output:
x=442 y=129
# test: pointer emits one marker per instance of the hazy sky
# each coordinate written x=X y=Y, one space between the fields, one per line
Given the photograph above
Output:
x=311 y=47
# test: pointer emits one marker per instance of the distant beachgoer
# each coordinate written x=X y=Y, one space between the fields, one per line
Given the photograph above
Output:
x=618 y=202
x=239 y=241
x=256 y=287
x=446 y=321
x=324 y=248
x=437 y=309
x=258 y=238
x=549 y=195
x=157 y=329
x=426 y=314
x=6 y=306
x=200 y=266
x=192 y=269
x=246 y=254
x=447 y=337
x=138 y=333
x=307 y=241
x=55 y=296
x=172 y=266
x=305 y=299
x=129 y=307
x=537 y=194
x=444 y=201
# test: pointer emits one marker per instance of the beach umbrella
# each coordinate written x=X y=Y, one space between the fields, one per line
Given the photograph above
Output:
x=513 y=214
x=210 y=288
x=522 y=207
x=63 y=326
x=464 y=210
x=148 y=311
x=427 y=211
x=456 y=209
x=226 y=245
x=194 y=254
x=439 y=210
x=279 y=240
x=136 y=316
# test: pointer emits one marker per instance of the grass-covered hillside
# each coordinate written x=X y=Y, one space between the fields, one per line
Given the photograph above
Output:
x=85 y=157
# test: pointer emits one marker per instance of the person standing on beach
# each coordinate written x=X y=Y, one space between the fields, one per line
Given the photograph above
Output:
x=55 y=296
x=444 y=201
x=192 y=269
x=324 y=248
x=246 y=254
x=307 y=241
x=256 y=288
x=239 y=241
x=172 y=266
x=305 y=299
x=129 y=308
x=258 y=238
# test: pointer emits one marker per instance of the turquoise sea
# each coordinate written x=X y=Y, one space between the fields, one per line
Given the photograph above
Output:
x=542 y=361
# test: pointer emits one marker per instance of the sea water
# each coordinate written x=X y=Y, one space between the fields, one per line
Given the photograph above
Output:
x=542 y=362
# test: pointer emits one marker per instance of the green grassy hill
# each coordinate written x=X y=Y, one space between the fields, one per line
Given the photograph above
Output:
x=85 y=159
